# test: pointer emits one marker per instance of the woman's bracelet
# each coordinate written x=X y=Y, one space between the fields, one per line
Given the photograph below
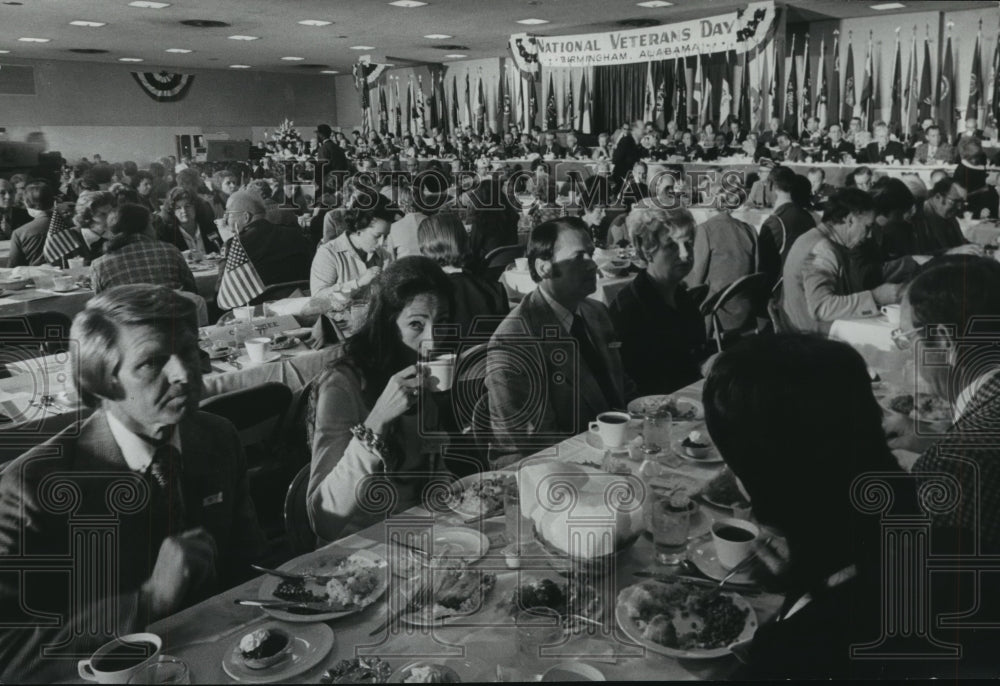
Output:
x=372 y=441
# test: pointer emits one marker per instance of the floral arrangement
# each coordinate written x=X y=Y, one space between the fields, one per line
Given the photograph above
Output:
x=286 y=141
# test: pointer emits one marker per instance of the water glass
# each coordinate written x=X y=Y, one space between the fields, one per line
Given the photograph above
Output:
x=169 y=670
x=671 y=524
x=537 y=627
x=517 y=529
x=656 y=433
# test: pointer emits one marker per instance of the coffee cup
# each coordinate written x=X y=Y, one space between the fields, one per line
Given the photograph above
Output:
x=442 y=369
x=734 y=539
x=76 y=262
x=612 y=427
x=243 y=313
x=117 y=660
x=63 y=283
x=521 y=264
x=258 y=348
x=891 y=313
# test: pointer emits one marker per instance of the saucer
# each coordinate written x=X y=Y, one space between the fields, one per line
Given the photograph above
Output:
x=702 y=554
x=713 y=456
x=271 y=357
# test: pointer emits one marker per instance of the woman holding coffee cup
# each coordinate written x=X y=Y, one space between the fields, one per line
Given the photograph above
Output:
x=369 y=456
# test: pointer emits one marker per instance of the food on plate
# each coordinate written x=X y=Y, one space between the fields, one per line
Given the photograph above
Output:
x=682 y=617
x=903 y=404
x=428 y=673
x=358 y=670
x=354 y=581
x=459 y=590
x=678 y=409
x=264 y=647
x=724 y=490
x=573 y=598
x=926 y=408
x=696 y=445
x=483 y=495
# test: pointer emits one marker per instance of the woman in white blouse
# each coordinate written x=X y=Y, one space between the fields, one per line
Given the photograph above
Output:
x=344 y=268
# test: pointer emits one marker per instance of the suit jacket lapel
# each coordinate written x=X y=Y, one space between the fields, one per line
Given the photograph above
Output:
x=97 y=447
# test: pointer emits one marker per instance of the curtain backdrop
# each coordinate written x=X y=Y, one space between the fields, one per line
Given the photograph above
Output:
x=619 y=95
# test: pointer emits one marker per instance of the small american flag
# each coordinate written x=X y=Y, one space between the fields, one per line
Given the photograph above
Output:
x=59 y=242
x=240 y=282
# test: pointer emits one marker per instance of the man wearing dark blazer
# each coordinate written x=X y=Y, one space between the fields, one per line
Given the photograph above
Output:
x=881 y=149
x=627 y=152
x=933 y=150
x=138 y=511
x=554 y=364
x=27 y=244
x=551 y=147
x=834 y=147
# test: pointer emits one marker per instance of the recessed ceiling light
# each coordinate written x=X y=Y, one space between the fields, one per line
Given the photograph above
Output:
x=293 y=59
x=88 y=24
x=239 y=66
x=147 y=5
x=362 y=47
x=456 y=56
x=4 y=52
x=315 y=22
x=438 y=36
x=329 y=71
x=179 y=51
x=532 y=21
x=655 y=3
x=34 y=40
x=244 y=37
x=407 y=3
x=888 y=6
x=130 y=59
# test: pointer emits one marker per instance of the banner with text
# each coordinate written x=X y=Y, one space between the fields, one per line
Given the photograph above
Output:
x=740 y=31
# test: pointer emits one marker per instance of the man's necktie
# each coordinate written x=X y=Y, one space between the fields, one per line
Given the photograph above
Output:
x=592 y=358
x=165 y=470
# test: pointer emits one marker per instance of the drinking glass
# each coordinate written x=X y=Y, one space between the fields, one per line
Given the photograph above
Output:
x=169 y=670
x=656 y=433
x=671 y=524
x=518 y=529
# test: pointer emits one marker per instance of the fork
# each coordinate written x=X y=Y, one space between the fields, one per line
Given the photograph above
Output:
x=292 y=576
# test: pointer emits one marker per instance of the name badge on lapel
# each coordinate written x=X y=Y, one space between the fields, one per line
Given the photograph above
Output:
x=214 y=499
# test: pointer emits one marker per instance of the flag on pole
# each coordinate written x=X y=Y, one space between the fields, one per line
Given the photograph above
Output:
x=550 y=107
x=584 y=105
x=790 y=123
x=994 y=99
x=681 y=88
x=847 y=113
x=570 y=123
x=946 y=92
x=744 y=106
x=503 y=102
x=519 y=110
x=532 y=104
x=805 y=96
x=772 y=89
x=398 y=109
x=467 y=113
x=432 y=104
x=480 y=107
x=725 y=100
x=896 y=109
x=410 y=109
x=419 y=113
x=696 y=92
x=910 y=88
x=59 y=240
x=760 y=106
x=926 y=98
x=833 y=110
x=455 y=124
x=240 y=281
x=867 y=88
x=974 y=104
x=383 y=112
x=660 y=118
x=650 y=110
x=822 y=98
x=442 y=102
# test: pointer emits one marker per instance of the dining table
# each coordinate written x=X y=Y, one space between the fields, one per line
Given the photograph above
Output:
x=483 y=646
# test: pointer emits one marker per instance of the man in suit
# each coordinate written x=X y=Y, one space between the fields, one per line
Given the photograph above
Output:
x=153 y=486
x=934 y=229
x=279 y=254
x=834 y=147
x=627 y=152
x=882 y=150
x=819 y=190
x=330 y=152
x=853 y=129
x=788 y=151
x=550 y=146
x=11 y=215
x=769 y=138
x=552 y=365
x=27 y=244
x=933 y=150
x=788 y=220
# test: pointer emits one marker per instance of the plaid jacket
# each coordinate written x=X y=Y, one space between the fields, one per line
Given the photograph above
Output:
x=969 y=452
x=144 y=260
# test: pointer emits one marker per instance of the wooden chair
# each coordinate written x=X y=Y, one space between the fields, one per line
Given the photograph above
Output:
x=756 y=288
x=298 y=530
x=498 y=259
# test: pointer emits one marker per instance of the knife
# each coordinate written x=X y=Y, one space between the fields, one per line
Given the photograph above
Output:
x=286 y=605
x=697 y=581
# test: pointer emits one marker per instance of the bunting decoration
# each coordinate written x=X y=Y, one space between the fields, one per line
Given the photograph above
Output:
x=926 y=99
x=585 y=105
x=164 y=87
x=805 y=97
x=59 y=240
x=550 y=108
x=822 y=99
x=240 y=282
x=910 y=89
x=975 y=102
x=896 y=109
x=367 y=74
x=946 y=92
x=790 y=122
x=833 y=110
x=849 y=94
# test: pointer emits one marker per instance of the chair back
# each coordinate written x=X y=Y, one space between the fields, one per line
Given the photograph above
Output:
x=256 y=412
x=755 y=287
x=298 y=529
x=278 y=291
x=774 y=309
x=499 y=258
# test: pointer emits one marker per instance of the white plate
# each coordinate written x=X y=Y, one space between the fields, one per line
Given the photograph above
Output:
x=636 y=408
x=466 y=482
x=701 y=552
x=271 y=583
x=713 y=456
x=461 y=543
x=629 y=628
x=436 y=615
x=311 y=643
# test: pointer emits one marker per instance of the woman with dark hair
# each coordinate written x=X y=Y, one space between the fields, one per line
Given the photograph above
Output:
x=184 y=226
x=143 y=182
x=224 y=184
x=134 y=255
x=91 y=218
x=795 y=419
x=492 y=217
x=345 y=267
x=443 y=239
x=367 y=437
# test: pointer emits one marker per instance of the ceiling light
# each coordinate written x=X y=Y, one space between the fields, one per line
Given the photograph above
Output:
x=4 y=52
x=315 y=22
x=244 y=37
x=329 y=71
x=146 y=4
x=130 y=59
x=888 y=6
x=655 y=3
x=438 y=36
x=532 y=21
x=362 y=47
x=407 y=3
x=239 y=66
x=34 y=40
x=179 y=51
x=88 y=24
x=293 y=59
x=456 y=56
